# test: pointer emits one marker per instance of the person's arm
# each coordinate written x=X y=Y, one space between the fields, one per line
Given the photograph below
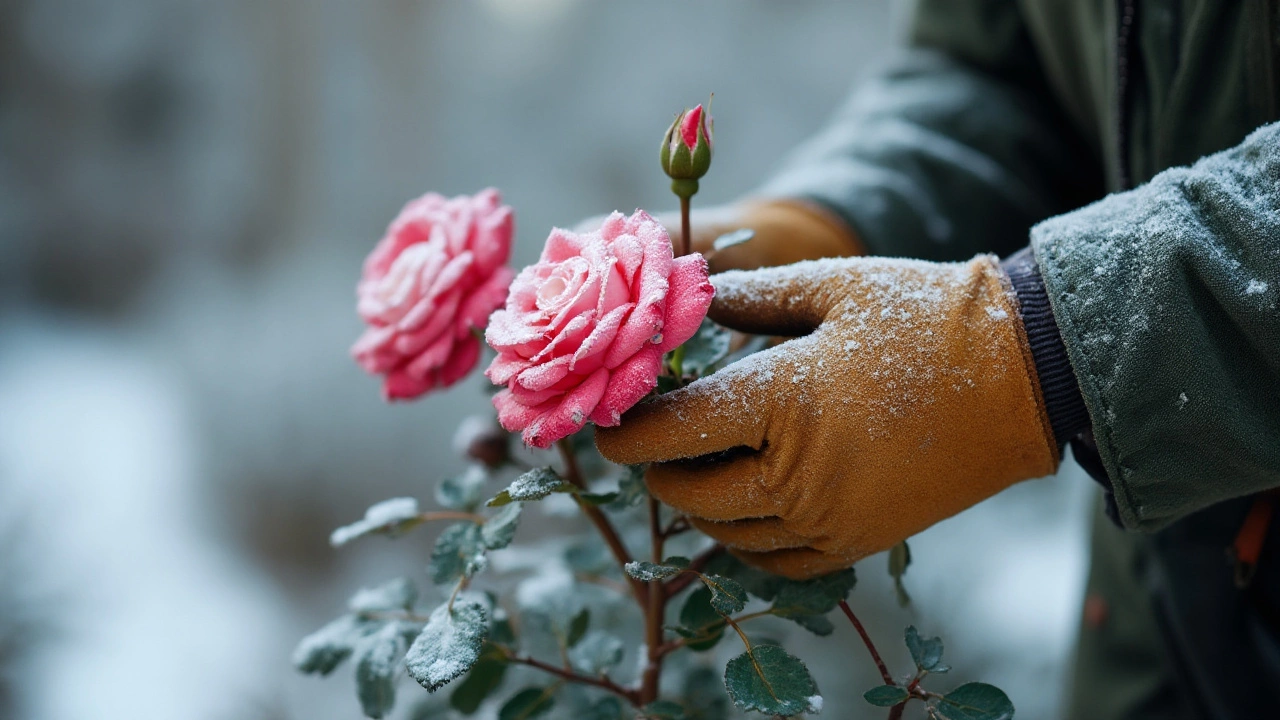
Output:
x=1167 y=298
x=957 y=148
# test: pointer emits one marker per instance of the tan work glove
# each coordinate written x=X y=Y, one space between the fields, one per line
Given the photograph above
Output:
x=786 y=231
x=911 y=397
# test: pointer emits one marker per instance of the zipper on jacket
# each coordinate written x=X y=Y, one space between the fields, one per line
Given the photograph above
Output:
x=1126 y=25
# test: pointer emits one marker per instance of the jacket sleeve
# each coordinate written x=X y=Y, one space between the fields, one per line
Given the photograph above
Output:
x=957 y=148
x=1167 y=300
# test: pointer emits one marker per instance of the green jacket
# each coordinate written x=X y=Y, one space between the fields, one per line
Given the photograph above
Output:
x=1002 y=115
x=997 y=127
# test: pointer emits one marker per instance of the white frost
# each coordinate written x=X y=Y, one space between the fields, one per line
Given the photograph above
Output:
x=1255 y=287
x=815 y=704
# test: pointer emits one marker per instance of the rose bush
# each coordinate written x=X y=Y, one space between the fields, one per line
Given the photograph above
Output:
x=584 y=329
x=433 y=278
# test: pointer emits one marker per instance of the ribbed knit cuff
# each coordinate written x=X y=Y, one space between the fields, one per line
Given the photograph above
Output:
x=1068 y=416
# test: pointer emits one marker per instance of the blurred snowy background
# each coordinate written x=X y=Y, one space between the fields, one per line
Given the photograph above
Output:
x=187 y=188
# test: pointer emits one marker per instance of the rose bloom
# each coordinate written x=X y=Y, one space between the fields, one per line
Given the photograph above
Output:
x=433 y=278
x=584 y=329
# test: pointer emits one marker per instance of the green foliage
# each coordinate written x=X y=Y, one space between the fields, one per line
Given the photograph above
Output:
x=772 y=681
x=700 y=623
x=646 y=571
x=899 y=561
x=389 y=517
x=324 y=650
x=485 y=677
x=498 y=531
x=819 y=625
x=727 y=596
x=577 y=627
x=597 y=652
x=458 y=552
x=631 y=489
x=464 y=492
x=813 y=597
x=397 y=594
x=376 y=670
x=975 y=701
x=450 y=643
x=757 y=582
x=532 y=485
x=886 y=695
x=927 y=653
x=707 y=347
x=530 y=702
x=608 y=708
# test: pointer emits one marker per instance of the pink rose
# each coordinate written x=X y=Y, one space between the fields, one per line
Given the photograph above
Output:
x=584 y=329
x=436 y=275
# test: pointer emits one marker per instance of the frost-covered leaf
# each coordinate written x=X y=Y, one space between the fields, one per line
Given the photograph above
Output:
x=450 y=643
x=662 y=710
x=819 y=625
x=577 y=627
x=757 y=582
x=390 y=517
x=499 y=530
x=770 y=680
x=975 y=701
x=727 y=596
x=464 y=492
x=700 y=624
x=926 y=652
x=458 y=551
x=631 y=488
x=530 y=702
x=646 y=571
x=707 y=347
x=677 y=561
x=397 y=594
x=899 y=561
x=813 y=597
x=325 y=649
x=703 y=695
x=532 y=485
x=485 y=677
x=376 y=670
x=596 y=652
x=886 y=695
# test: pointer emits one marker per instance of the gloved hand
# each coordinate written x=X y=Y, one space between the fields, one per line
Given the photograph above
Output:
x=912 y=396
x=786 y=231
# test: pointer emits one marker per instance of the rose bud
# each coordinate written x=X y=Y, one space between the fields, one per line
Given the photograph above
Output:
x=482 y=439
x=686 y=149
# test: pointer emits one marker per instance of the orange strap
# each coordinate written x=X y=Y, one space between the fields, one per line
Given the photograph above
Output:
x=1253 y=534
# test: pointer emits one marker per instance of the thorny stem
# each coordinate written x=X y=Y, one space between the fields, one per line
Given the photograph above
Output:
x=603 y=682
x=655 y=612
x=687 y=578
x=620 y=553
x=866 y=639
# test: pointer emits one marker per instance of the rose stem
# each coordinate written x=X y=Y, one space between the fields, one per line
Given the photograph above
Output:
x=602 y=682
x=866 y=639
x=597 y=518
x=684 y=225
x=656 y=612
